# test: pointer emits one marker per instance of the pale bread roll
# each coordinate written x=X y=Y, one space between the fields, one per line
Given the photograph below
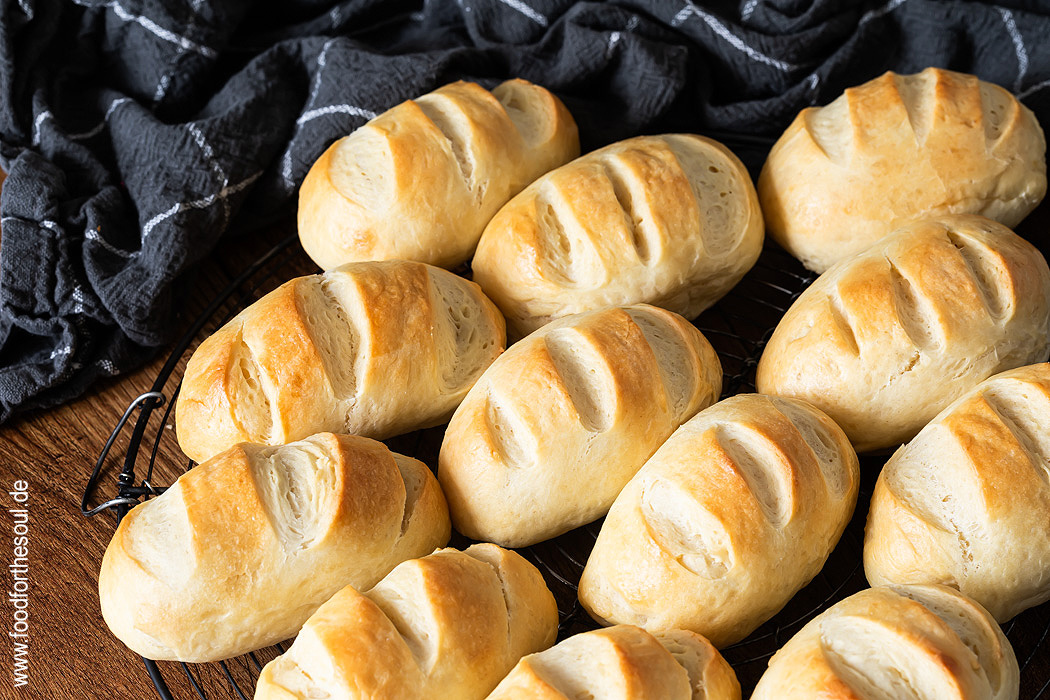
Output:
x=734 y=514
x=243 y=548
x=896 y=643
x=885 y=339
x=449 y=626
x=623 y=663
x=667 y=220
x=560 y=422
x=895 y=149
x=967 y=502
x=374 y=349
x=420 y=181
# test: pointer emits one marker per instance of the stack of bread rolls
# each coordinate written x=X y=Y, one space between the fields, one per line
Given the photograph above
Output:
x=297 y=522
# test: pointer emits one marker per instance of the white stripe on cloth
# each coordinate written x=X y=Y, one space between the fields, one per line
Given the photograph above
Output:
x=78 y=299
x=732 y=39
x=101 y=125
x=216 y=167
x=198 y=204
x=880 y=11
x=164 y=83
x=286 y=160
x=526 y=10
x=165 y=80
x=95 y=131
x=1019 y=48
x=46 y=114
x=335 y=109
x=616 y=36
x=93 y=235
x=89 y=234
x=162 y=33
x=1033 y=89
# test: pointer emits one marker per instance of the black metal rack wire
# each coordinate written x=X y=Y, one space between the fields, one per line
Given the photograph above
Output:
x=738 y=327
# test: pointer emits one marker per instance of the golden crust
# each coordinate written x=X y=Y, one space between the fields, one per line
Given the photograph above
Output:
x=555 y=427
x=892 y=642
x=668 y=220
x=449 y=625
x=225 y=561
x=623 y=663
x=420 y=181
x=374 y=349
x=885 y=339
x=967 y=502
x=734 y=514
x=895 y=149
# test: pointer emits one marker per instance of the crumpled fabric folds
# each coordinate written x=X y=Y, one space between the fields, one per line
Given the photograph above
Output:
x=137 y=133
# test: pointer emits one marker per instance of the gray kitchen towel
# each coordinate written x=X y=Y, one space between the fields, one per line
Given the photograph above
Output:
x=137 y=133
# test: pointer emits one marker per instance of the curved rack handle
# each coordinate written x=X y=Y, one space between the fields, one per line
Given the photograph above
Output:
x=128 y=494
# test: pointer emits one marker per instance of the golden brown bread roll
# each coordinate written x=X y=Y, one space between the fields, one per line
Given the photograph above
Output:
x=895 y=149
x=967 y=502
x=668 y=220
x=374 y=349
x=623 y=663
x=421 y=180
x=243 y=548
x=896 y=643
x=449 y=625
x=734 y=514
x=558 y=424
x=885 y=339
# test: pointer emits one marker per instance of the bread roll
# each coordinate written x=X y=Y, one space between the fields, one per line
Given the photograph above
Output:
x=623 y=663
x=885 y=339
x=556 y=427
x=447 y=626
x=896 y=643
x=895 y=149
x=242 y=549
x=967 y=502
x=372 y=349
x=421 y=180
x=734 y=514
x=667 y=220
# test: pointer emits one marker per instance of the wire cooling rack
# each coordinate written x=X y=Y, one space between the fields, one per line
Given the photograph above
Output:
x=738 y=327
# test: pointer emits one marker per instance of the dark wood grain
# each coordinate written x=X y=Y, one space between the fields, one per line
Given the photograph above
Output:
x=72 y=653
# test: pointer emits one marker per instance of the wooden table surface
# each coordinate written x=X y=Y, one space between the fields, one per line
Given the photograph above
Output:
x=72 y=654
